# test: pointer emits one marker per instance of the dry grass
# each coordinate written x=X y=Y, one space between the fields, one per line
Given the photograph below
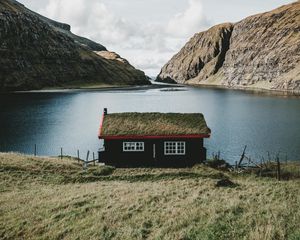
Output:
x=140 y=203
x=154 y=124
x=8 y=5
x=288 y=170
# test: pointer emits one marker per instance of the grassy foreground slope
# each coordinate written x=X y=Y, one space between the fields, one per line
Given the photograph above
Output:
x=43 y=198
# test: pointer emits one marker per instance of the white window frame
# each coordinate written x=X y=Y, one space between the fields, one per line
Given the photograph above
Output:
x=133 y=146
x=174 y=148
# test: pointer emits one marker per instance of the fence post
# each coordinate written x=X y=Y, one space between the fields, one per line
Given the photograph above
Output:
x=61 y=153
x=87 y=155
x=87 y=158
x=269 y=158
x=260 y=169
x=278 y=169
x=242 y=156
x=78 y=155
x=35 y=150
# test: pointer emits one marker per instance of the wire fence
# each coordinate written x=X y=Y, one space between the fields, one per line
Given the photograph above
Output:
x=88 y=157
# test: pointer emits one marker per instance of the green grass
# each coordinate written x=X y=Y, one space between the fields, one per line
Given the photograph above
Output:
x=154 y=124
x=49 y=198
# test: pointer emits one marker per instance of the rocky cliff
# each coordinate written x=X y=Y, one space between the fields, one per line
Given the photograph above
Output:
x=261 y=51
x=37 y=52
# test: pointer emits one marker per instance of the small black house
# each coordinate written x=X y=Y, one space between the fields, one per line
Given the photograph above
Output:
x=153 y=139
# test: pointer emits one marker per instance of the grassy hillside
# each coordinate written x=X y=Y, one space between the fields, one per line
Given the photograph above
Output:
x=37 y=52
x=43 y=198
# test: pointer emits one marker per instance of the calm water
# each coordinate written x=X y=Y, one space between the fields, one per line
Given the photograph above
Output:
x=71 y=119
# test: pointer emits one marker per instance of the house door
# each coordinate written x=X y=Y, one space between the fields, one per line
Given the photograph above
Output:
x=154 y=151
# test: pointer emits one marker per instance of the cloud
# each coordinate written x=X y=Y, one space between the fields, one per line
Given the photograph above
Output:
x=91 y=19
x=190 y=21
x=147 y=46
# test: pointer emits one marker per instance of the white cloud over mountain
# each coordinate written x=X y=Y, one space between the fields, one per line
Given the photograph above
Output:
x=190 y=21
x=147 y=33
x=146 y=45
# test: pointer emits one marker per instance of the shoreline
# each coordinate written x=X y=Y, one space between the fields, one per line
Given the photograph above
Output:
x=246 y=89
x=101 y=88
x=252 y=90
x=161 y=85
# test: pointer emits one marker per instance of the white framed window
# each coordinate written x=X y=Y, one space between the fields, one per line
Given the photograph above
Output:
x=133 y=146
x=174 y=148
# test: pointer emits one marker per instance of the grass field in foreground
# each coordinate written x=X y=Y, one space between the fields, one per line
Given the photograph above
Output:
x=48 y=198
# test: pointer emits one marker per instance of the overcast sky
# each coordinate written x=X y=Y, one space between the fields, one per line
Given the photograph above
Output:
x=147 y=32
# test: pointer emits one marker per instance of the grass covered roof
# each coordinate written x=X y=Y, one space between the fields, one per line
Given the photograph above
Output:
x=153 y=124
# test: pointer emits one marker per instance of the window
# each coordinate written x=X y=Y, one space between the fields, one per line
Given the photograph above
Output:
x=174 y=148
x=133 y=146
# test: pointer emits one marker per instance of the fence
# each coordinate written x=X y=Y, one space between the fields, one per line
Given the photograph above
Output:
x=272 y=166
x=85 y=162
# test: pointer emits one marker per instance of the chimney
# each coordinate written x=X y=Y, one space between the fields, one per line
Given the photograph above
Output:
x=105 y=111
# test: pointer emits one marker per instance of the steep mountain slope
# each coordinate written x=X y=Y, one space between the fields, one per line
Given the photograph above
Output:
x=261 y=51
x=36 y=52
x=201 y=57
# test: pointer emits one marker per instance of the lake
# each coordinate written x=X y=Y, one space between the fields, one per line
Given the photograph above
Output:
x=70 y=119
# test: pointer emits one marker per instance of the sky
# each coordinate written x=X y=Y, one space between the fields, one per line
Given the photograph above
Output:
x=147 y=33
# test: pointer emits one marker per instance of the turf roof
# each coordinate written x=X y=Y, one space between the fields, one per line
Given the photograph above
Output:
x=154 y=124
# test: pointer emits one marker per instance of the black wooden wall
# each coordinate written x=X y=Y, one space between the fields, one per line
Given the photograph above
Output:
x=114 y=155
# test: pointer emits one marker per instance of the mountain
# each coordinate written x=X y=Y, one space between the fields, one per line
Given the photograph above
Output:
x=261 y=51
x=37 y=52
